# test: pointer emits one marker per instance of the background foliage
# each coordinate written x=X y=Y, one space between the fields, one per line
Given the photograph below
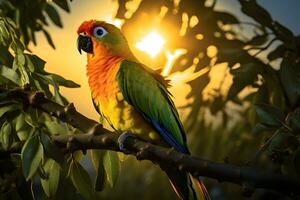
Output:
x=258 y=63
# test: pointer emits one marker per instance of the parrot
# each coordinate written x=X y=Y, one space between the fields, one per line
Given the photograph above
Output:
x=134 y=98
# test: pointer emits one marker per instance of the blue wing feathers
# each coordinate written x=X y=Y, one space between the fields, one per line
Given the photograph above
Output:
x=166 y=135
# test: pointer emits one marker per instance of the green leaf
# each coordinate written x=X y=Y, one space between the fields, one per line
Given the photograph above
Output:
x=48 y=38
x=270 y=115
x=63 y=4
x=4 y=33
x=290 y=81
x=57 y=96
x=282 y=141
x=31 y=35
x=19 y=63
x=20 y=122
x=64 y=82
x=51 y=150
x=6 y=136
x=22 y=128
x=9 y=108
x=20 y=58
x=50 y=184
x=10 y=74
x=66 y=190
x=82 y=181
x=293 y=121
x=53 y=15
x=111 y=166
x=97 y=160
x=37 y=189
x=32 y=153
x=17 y=46
x=37 y=62
x=55 y=128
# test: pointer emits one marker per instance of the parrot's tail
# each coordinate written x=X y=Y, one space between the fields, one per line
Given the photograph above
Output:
x=186 y=186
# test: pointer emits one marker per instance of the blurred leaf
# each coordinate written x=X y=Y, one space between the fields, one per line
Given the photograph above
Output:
x=17 y=46
x=284 y=33
x=50 y=184
x=37 y=62
x=97 y=159
x=258 y=40
x=111 y=166
x=82 y=181
x=258 y=13
x=63 y=4
x=6 y=136
x=49 y=39
x=32 y=153
x=53 y=15
x=51 y=150
x=282 y=141
x=34 y=63
x=10 y=74
x=270 y=115
x=296 y=161
x=226 y=18
x=245 y=75
x=6 y=57
x=260 y=128
x=64 y=82
x=278 y=52
x=232 y=56
x=293 y=121
x=290 y=81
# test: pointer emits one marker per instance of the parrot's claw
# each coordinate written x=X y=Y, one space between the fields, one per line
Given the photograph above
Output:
x=122 y=138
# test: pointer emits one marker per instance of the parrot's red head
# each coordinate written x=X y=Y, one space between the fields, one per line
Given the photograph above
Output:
x=101 y=38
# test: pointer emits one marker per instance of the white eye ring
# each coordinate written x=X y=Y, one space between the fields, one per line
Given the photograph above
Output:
x=99 y=32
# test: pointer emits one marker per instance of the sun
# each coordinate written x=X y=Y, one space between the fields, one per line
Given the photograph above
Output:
x=151 y=44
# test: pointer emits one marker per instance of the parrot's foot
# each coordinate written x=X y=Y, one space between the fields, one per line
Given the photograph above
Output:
x=121 y=141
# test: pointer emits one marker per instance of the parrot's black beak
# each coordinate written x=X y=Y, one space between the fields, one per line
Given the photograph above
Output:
x=84 y=43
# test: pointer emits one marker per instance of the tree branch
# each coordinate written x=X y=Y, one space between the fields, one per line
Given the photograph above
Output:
x=98 y=137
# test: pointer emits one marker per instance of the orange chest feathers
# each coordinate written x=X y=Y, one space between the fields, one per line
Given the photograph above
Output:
x=102 y=74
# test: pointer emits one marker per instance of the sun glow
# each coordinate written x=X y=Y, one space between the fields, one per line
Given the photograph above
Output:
x=151 y=44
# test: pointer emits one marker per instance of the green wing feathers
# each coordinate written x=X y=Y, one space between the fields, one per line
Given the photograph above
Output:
x=147 y=91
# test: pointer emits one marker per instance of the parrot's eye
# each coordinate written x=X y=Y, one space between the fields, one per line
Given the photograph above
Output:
x=99 y=32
